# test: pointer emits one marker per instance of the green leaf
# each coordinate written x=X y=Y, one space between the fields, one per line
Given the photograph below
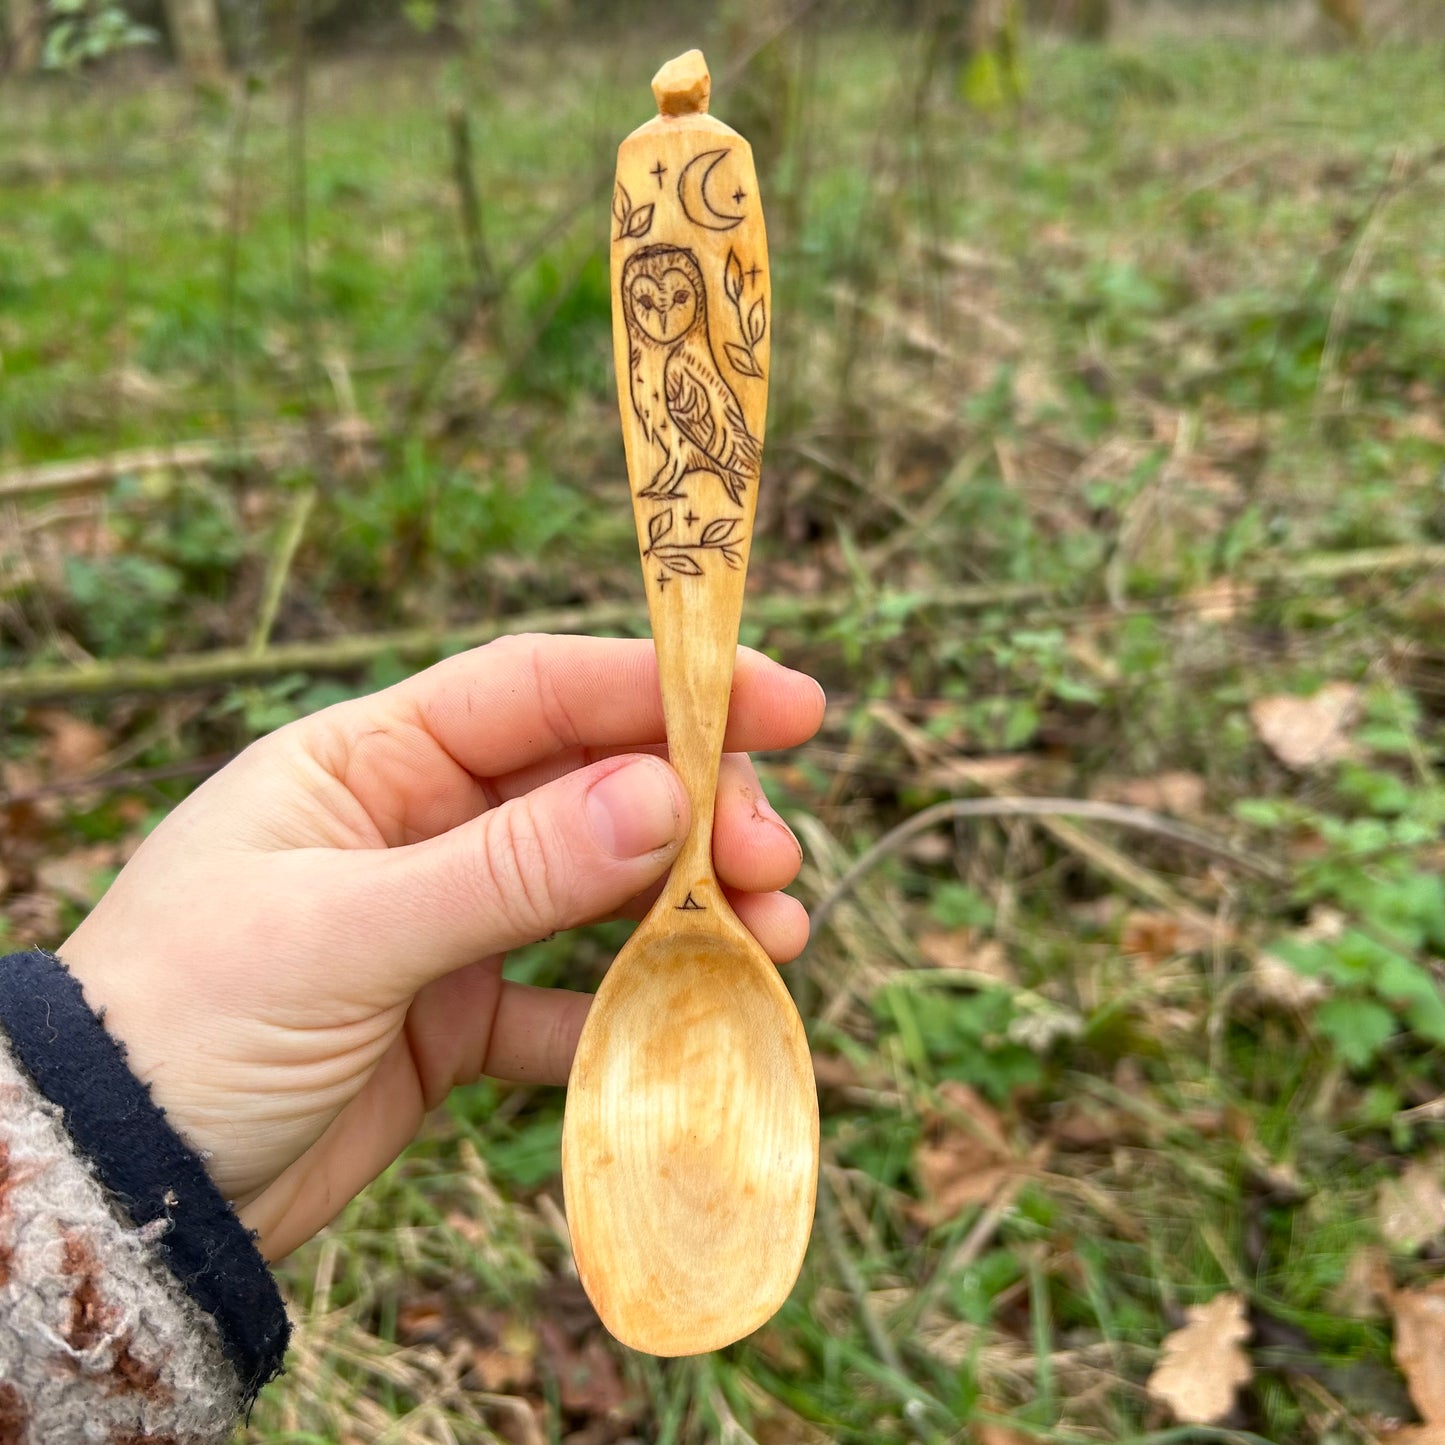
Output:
x=1426 y=1016
x=1356 y=1027
x=1406 y=984
x=956 y=905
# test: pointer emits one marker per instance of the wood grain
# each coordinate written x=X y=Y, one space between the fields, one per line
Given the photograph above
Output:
x=690 y=1143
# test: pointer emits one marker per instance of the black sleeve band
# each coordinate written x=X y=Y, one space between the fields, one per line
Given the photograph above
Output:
x=139 y=1158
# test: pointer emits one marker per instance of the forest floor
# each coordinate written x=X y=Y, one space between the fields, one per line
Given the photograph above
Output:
x=1106 y=462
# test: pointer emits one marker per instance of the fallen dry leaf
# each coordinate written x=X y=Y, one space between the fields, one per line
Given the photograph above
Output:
x=1219 y=601
x=422 y=1321
x=980 y=772
x=1272 y=981
x=833 y=1071
x=992 y=1432
x=1308 y=732
x=1154 y=936
x=510 y=1364
x=587 y=1377
x=72 y=746
x=1174 y=792
x=590 y=1382
x=79 y=876
x=964 y=1156
x=1411 y=1209
x=1081 y=1123
x=1202 y=1366
x=35 y=917
x=1420 y=1346
x=1365 y=1285
x=1160 y=936
x=962 y=948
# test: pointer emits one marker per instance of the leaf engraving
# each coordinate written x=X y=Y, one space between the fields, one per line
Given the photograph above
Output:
x=718 y=531
x=757 y=321
x=685 y=559
x=733 y=277
x=743 y=360
x=640 y=222
x=621 y=204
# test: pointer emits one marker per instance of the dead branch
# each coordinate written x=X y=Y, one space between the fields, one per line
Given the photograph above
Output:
x=91 y=473
x=344 y=654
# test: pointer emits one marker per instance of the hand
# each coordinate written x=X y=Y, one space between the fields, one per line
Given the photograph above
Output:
x=306 y=955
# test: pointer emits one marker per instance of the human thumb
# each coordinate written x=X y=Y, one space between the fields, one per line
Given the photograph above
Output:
x=568 y=852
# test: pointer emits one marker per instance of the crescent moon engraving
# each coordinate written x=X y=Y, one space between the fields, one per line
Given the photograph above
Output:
x=692 y=193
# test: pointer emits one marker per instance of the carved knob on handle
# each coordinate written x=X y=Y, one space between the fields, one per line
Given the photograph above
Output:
x=683 y=86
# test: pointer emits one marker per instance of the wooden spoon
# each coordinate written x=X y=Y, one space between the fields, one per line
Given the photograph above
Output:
x=690 y=1144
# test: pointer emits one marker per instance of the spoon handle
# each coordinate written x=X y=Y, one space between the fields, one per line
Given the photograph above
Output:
x=691 y=314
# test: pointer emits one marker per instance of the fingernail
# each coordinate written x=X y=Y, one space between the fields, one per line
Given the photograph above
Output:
x=765 y=810
x=635 y=810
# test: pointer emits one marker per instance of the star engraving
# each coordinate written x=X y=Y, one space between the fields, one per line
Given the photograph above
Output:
x=691 y=517
x=754 y=272
x=738 y=196
x=659 y=170
x=662 y=580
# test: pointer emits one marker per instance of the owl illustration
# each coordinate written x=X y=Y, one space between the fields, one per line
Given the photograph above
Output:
x=678 y=391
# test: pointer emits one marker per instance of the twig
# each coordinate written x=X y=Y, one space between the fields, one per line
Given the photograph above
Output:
x=88 y=473
x=1333 y=566
x=342 y=654
x=299 y=217
x=465 y=311
x=236 y=162
x=469 y=204
x=1140 y=819
x=279 y=568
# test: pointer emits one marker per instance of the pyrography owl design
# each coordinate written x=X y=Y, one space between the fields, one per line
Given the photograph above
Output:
x=677 y=389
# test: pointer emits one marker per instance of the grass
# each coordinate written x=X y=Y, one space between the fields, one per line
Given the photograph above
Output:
x=1165 y=343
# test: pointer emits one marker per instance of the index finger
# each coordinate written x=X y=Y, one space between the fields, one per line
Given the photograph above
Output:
x=521 y=699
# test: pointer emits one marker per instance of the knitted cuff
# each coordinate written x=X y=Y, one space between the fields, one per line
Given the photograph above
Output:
x=144 y=1165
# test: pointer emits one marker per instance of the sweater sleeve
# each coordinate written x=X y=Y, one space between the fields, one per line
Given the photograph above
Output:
x=111 y=1333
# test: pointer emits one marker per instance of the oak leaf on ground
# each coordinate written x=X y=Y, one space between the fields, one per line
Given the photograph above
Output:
x=1412 y=1208
x=1202 y=1365
x=1420 y=1347
x=1308 y=732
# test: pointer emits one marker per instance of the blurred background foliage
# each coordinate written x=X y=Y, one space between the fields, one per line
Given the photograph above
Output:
x=1105 y=470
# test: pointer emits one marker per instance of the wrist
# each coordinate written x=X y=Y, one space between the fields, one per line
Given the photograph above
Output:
x=151 y=1173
